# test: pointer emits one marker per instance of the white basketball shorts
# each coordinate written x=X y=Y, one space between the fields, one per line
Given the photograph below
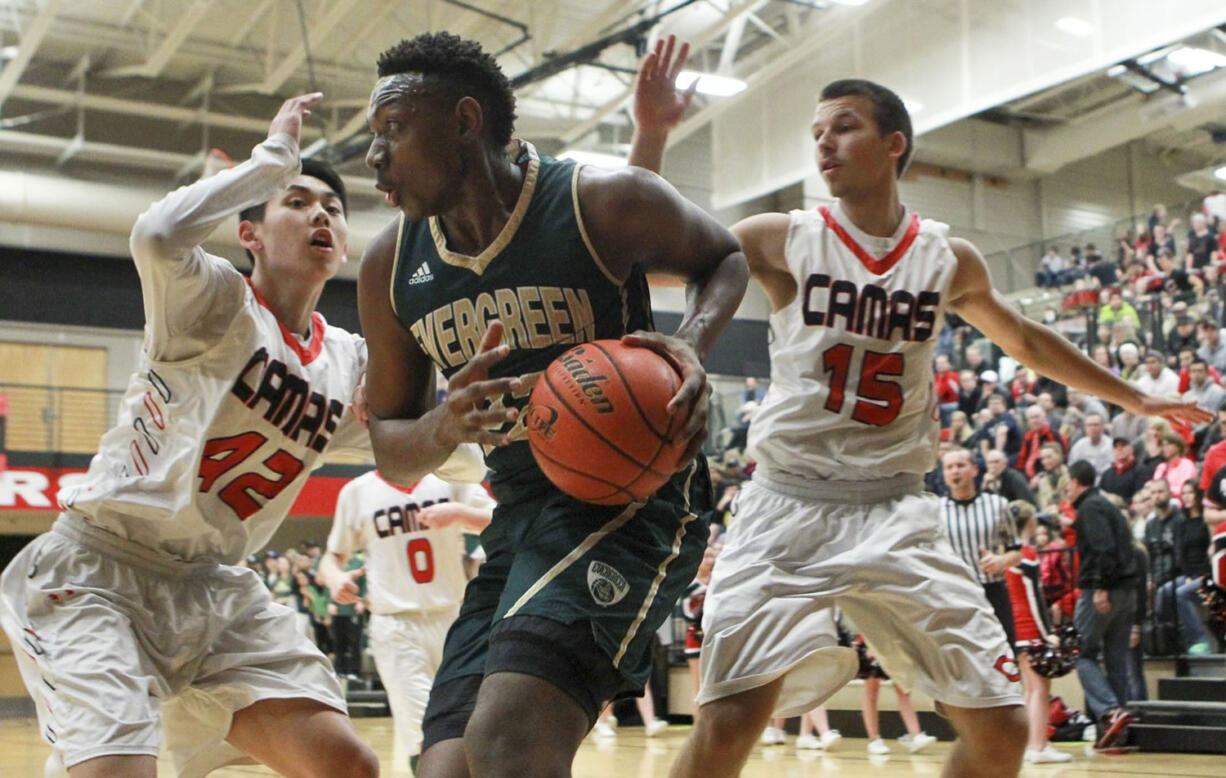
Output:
x=408 y=648
x=116 y=644
x=874 y=549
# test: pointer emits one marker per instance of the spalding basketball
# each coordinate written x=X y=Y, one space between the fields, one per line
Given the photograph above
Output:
x=598 y=425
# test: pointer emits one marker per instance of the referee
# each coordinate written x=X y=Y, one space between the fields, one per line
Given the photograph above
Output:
x=982 y=532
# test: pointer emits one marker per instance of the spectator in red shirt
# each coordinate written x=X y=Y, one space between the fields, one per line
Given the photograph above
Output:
x=1186 y=356
x=1038 y=432
x=946 y=379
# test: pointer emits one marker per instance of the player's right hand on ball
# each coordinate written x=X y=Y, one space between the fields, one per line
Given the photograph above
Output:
x=293 y=112
x=469 y=415
x=344 y=588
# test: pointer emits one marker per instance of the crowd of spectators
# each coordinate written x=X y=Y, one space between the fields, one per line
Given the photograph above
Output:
x=338 y=629
x=1153 y=315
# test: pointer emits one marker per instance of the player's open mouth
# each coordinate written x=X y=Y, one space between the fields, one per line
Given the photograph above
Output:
x=321 y=239
x=389 y=194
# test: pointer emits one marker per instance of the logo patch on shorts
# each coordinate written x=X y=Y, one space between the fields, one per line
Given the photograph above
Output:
x=1008 y=668
x=608 y=587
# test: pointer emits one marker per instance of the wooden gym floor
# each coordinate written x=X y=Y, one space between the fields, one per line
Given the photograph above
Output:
x=630 y=755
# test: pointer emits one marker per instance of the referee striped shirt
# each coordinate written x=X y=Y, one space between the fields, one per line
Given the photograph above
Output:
x=981 y=523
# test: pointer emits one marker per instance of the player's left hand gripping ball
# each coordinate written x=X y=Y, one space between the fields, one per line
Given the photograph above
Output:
x=692 y=399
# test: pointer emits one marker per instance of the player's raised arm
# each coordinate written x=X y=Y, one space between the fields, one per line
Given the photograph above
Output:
x=410 y=435
x=1043 y=349
x=181 y=220
x=636 y=217
x=658 y=104
x=177 y=277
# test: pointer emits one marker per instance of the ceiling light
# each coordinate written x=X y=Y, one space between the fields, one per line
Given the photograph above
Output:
x=1078 y=28
x=1115 y=71
x=599 y=159
x=709 y=84
x=848 y=2
x=1220 y=174
x=1191 y=61
x=9 y=52
x=1155 y=55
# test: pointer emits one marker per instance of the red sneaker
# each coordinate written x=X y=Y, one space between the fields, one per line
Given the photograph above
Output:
x=1116 y=722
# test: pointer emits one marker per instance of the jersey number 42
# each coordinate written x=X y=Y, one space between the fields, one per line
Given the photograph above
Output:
x=221 y=455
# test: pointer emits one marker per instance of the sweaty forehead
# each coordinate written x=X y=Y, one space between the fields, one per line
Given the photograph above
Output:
x=400 y=88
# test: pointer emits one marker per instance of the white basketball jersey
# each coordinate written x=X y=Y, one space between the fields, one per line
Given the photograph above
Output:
x=408 y=567
x=851 y=395
x=228 y=411
x=207 y=456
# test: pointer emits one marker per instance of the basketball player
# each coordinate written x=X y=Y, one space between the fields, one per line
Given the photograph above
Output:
x=414 y=543
x=835 y=514
x=543 y=254
x=129 y=612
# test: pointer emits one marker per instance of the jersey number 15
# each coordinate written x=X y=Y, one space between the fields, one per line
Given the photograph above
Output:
x=877 y=402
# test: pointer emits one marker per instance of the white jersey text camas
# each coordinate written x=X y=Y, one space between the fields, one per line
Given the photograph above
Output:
x=228 y=411
x=851 y=395
x=409 y=567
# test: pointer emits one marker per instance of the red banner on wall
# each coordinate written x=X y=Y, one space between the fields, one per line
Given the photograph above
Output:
x=24 y=488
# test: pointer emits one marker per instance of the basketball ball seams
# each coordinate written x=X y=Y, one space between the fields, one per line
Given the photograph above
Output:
x=630 y=393
x=616 y=488
x=561 y=398
x=585 y=438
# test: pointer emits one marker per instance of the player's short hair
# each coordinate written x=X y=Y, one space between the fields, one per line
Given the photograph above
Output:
x=315 y=168
x=888 y=110
x=1082 y=472
x=1199 y=361
x=460 y=68
x=1049 y=446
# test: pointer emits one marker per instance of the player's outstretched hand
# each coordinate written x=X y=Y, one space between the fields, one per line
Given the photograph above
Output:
x=695 y=391
x=1172 y=410
x=658 y=104
x=440 y=515
x=344 y=588
x=469 y=415
x=293 y=112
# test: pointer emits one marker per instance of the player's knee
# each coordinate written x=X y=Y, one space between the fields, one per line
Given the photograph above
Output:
x=353 y=759
x=498 y=748
x=1003 y=739
x=726 y=729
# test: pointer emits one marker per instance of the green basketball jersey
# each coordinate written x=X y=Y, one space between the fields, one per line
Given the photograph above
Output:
x=541 y=277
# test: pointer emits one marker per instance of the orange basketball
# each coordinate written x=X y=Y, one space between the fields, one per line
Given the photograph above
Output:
x=597 y=422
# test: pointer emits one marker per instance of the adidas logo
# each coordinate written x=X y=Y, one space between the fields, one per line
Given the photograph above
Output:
x=421 y=275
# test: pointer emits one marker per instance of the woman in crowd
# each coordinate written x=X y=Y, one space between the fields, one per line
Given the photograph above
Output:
x=1034 y=636
x=1103 y=356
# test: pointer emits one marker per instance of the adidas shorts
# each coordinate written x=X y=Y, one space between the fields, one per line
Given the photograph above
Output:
x=119 y=647
x=797 y=549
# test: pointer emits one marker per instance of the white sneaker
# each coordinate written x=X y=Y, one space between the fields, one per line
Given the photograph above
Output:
x=917 y=743
x=1047 y=756
x=605 y=729
x=878 y=747
x=808 y=743
x=772 y=736
x=656 y=727
x=830 y=739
